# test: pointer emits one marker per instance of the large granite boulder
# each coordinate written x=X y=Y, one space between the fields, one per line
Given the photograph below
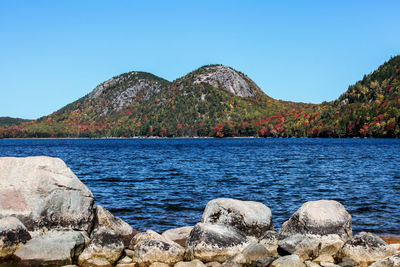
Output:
x=148 y=252
x=105 y=246
x=51 y=249
x=13 y=235
x=317 y=230
x=214 y=242
x=249 y=217
x=321 y=217
x=178 y=235
x=105 y=219
x=319 y=248
x=364 y=249
x=43 y=193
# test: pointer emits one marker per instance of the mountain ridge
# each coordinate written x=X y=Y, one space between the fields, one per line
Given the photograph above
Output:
x=216 y=100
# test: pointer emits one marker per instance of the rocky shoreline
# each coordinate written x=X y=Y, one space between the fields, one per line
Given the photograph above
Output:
x=48 y=218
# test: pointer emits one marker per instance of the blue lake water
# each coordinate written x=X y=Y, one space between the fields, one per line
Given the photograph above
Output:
x=165 y=183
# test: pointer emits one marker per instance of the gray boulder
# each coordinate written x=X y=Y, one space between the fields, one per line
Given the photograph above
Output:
x=251 y=218
x=317 y=230
x=288 y=261
x=255 y=252
x=13 y=235
x=44 y=194
x=178 y=235
x=214 y=242
x=364 y=249
x=105 y=246
x=298 y=244
x=321 y=217
x=319 y=248
x=105 y=219
x=51 y=249
x=148 y=252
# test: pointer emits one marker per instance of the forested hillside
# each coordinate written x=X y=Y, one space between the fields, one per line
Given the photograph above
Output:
x=369 y=108
x=219 y=101
x=7 y=121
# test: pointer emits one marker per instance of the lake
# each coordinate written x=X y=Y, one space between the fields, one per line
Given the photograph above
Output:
x=165 y=183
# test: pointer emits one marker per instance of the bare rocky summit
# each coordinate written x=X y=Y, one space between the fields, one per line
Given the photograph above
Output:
x=124 y=89
x=228 y=79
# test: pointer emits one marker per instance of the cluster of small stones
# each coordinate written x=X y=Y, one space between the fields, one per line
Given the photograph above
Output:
x=47 y=218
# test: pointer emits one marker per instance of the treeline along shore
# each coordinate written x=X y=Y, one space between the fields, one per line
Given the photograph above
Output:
x=48 y=218
x=218 y=101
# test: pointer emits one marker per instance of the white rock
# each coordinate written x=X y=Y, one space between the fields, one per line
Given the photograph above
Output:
x=364 y=249
x=321 y=217
x=43 y=193
x=251 y=218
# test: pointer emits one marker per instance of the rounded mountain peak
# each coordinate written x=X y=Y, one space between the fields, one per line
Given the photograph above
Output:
x=129 y=83
x=224 y=77
x=123 y=89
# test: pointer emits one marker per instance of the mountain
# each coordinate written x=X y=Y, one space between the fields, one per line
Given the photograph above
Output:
x=213 y=100
x=369 y=108
x=216 y=100
x=116 y=93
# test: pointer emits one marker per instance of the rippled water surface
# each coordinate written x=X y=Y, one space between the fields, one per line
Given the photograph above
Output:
x=164 y=183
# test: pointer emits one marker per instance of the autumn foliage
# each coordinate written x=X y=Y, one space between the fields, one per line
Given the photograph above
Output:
x=369 y=108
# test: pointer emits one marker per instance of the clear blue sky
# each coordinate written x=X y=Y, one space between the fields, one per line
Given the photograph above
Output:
x=54 y=52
